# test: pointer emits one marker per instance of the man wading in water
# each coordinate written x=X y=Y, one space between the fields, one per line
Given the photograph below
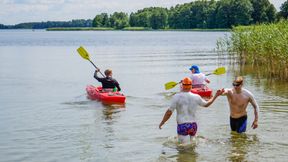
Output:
x=186 y=104
x=238 y=99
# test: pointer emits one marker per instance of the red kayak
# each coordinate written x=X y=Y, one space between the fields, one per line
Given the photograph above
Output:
x=203 y=91
x=95 y=93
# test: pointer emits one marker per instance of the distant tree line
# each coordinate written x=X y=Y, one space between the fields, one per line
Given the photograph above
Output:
x=49 y=24
x=203 y=14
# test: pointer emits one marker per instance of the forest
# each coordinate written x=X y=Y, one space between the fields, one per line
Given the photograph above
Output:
x=200 y=14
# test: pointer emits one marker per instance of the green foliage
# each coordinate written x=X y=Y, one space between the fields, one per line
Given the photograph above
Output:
x=261 y=45
x=2 y=26
x=153 y=17
x=101 y=20
x=119 y=20
x=136 y=28
x=53 y=24
x=79 y=29
x=159 y=19
x=180 y=17
x=284 y=10
x=263 y=11
x=199 y=14
x=233 y=13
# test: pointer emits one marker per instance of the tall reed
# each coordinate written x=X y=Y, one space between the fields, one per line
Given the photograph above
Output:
x=264 y=46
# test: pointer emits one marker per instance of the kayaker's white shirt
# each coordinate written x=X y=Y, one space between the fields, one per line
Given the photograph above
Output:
x=198 y=79
x=186 y=104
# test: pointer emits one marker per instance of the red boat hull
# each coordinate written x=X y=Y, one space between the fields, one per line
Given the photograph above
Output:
x=95 y=93
x=203 y=92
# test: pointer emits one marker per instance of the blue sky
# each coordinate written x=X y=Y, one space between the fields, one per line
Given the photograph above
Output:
x=18 y=11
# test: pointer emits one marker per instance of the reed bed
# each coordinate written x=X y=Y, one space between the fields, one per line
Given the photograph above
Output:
x=262 y=46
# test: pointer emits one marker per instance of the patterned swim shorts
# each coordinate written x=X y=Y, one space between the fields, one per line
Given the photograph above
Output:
x=185 y=129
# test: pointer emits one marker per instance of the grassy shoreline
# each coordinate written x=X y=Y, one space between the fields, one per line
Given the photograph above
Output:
x=262 y=46
x=129 y=29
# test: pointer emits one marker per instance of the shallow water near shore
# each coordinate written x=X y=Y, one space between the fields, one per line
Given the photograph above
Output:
x=45 y=115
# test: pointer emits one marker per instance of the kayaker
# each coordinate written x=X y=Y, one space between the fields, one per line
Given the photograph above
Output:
x=198 y=78
x=238 y=99
x=108 y=83
x=186 y=104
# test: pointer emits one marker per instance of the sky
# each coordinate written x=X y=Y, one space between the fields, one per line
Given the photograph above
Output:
x=18 y=11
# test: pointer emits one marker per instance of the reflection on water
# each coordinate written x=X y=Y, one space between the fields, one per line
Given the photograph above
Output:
x=50 y=122
x=270 y=85
x=110 y=109
x=174 y=151
x=240 y=145
x=237 y=147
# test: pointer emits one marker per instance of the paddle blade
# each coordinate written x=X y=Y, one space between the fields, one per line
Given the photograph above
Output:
x=219 y=71
x=170 y=85
x=83 y=53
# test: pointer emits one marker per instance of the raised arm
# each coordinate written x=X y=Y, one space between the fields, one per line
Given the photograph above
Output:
x=211 y=100
x=96 y=76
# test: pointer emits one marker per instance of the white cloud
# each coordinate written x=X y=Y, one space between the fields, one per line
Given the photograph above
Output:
x=17 y=11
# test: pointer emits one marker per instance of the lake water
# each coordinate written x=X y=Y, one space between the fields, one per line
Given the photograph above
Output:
x=45 y=115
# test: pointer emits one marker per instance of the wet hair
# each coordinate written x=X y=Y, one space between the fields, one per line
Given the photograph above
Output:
x=238 y=79
x=107 y=72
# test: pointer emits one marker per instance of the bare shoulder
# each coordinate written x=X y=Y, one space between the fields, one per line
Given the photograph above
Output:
x=247 y=93
x=228 y=91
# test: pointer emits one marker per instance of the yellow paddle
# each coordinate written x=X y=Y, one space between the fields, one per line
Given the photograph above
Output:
x=218 y=71
x=170 y=85
x=84 y=54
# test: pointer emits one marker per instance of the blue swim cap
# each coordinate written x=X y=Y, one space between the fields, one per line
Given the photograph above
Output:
x=196 y=68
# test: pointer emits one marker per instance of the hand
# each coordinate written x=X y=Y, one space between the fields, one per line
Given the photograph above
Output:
x=97 y=70
x=255 y=124
x=219 y=92
x=160 y=126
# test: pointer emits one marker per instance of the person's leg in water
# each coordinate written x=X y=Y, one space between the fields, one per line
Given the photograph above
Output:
x=239 y=124
x=186 y=132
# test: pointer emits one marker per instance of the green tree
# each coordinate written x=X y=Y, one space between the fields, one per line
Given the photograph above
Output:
x=105 y=20
x=2 y=26
x=97 y=21
x=223 y=14
x=101 y=20
x=211 y=21
x=233 y=12
x=263 y=11
x=242 y=10
x=133 y=19
x=284 y=10
x=271 y=13
x=202 y=13
x=159 y=18
x=180 y=17
x=119 y=20
x=143 y=19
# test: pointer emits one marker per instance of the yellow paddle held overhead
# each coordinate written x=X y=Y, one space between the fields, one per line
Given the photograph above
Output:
x=218 y=71
x=84 y=54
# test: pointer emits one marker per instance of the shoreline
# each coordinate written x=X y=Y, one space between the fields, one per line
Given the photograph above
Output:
x=131 y=29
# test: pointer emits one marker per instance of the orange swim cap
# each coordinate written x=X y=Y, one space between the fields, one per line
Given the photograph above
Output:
x=186 y=83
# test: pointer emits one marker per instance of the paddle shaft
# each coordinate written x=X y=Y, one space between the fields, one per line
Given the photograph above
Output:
x=96 y=68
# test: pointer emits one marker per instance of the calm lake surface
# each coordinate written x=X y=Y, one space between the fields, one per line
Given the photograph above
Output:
x=45 y=115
